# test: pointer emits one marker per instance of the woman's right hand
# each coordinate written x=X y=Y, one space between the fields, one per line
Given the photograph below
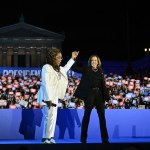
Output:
x=75 y=54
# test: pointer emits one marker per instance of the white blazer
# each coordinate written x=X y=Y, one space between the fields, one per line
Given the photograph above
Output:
x=53 y=86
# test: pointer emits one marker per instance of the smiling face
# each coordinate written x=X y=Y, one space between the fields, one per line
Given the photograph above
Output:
x=58 y=59
x=94 y=62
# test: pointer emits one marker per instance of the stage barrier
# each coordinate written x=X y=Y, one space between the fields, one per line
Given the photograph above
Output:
x=28 y=123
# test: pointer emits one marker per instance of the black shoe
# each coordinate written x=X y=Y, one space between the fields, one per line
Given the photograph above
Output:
x=105 y=141
x=83 y=141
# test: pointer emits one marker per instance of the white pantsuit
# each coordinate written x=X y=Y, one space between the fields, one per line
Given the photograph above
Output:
x=53 y=87
x=50 y=116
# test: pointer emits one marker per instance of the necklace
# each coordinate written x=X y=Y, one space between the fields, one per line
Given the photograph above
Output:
x=95 y=70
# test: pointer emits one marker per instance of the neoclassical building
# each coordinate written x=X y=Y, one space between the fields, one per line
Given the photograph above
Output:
x=25 y=45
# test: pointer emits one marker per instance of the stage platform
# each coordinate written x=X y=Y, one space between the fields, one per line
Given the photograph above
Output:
x=23 y=127
x=72 y=144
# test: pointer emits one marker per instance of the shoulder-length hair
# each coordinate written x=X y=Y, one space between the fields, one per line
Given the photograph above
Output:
x=90 y=58
x=51 y=57
x=98 y=66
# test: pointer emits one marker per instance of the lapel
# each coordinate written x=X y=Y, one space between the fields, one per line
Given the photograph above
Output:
x=62 y=71
x=54 y=72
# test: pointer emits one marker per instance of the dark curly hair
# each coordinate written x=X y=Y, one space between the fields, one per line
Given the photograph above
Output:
x=51 y=56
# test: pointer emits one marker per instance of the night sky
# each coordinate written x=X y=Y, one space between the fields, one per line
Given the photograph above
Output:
x=117 y=30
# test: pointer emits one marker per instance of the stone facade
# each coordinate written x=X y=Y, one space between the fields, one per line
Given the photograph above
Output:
x=25 y=45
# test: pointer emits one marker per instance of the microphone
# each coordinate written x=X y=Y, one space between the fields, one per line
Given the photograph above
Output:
x=54 y=105
x=49 y=103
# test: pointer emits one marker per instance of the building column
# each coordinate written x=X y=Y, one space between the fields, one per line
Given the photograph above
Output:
x=43 y=55
x=4 y=56
x=15 y=57
x=27 y=53
x=38 y=57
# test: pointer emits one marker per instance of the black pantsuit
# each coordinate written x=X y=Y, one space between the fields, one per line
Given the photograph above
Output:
x=94 y=93
x=101 y=114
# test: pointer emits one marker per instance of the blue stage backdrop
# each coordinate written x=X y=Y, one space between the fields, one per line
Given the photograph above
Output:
x=28 y=123
x=20 y=71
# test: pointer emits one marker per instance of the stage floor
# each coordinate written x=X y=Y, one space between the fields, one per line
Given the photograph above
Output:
x=73 y=141
x=67 y=144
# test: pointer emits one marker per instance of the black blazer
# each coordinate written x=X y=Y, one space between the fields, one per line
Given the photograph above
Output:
x=84 y=87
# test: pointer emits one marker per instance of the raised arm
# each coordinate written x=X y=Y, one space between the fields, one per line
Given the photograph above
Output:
x=75 y=66
x=71 y=61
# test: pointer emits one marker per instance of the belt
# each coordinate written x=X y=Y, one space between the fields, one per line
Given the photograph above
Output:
x=95 y=88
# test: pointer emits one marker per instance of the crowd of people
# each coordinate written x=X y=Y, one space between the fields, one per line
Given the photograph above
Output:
x=126 y=91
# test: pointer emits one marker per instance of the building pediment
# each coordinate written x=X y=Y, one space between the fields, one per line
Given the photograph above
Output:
x=24 y=30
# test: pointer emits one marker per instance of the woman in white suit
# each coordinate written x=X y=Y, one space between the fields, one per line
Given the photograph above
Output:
x=54 y=85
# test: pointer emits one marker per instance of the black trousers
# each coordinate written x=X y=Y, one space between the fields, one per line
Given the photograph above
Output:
x=95 y=99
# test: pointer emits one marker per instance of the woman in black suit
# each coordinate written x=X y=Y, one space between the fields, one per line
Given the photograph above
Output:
x=94 y=93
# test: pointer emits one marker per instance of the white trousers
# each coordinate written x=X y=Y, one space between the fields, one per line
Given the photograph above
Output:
x=50 y=116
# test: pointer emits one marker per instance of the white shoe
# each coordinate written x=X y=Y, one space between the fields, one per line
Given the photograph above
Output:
x=52 y=141
x=49 y=141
